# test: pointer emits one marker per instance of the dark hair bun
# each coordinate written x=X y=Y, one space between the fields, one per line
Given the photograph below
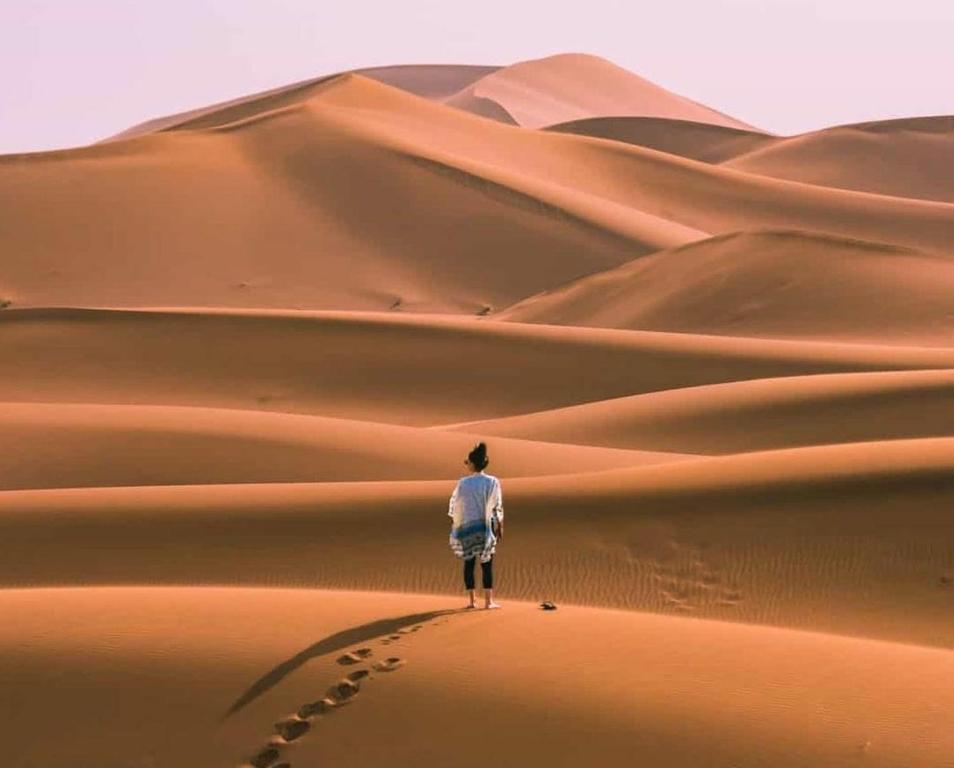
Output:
x=478 y=456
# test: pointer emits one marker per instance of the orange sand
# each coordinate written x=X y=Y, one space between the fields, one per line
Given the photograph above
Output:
x=246 y=348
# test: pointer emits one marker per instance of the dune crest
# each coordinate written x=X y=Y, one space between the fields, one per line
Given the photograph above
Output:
x=697 y=140
x=565 y=87
x=903 y=158
x=750 y=415
x=780 y=284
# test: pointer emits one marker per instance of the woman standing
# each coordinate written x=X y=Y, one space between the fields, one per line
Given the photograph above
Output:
x=476 y=509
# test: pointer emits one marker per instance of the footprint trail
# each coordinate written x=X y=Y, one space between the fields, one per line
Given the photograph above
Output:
x=293 y=728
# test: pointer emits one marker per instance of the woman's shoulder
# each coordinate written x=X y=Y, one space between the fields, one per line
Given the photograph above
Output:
x=482 y=479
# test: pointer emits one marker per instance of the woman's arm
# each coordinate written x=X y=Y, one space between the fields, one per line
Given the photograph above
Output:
x=452 y=505
x=497 y=510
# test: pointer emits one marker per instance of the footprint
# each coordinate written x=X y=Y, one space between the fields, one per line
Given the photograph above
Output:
x=354 y=657
x=342 y=691
x=358 y=674
x=266 y=757
x=314 y=708
x=292 y=729
x=388 y=665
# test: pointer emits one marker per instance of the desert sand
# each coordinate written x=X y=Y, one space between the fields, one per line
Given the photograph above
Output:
x=246 y=349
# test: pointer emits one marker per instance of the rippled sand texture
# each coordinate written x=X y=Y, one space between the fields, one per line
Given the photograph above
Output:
x=246 y=348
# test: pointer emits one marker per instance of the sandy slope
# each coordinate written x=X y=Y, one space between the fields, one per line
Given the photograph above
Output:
x=384 y=367
x=369 y=218
x=550 y=689
x=777 y=284
x=532 y=93
x=796 y=537
x=906 y=158
x=566 y=87
x=382 y=199
x=911 y=157
x=430 y=81
x=79 y=445
x=708 y=142
x=751 y=415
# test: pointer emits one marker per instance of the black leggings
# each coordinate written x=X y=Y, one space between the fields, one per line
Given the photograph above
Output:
x=486 y=573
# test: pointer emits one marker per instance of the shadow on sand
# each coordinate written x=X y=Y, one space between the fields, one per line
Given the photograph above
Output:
x=335 y=642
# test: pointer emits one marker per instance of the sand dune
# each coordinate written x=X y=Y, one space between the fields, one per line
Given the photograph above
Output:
x=566 y=87
x=429 y=178
x=384 y=367
x=80 y=445
x=749 y=695
x=776 y=284
x=246 y=347
x=707 y=142
x=751 y=415
x=430 y=81
x=912 y=157
x=785 y=537
x=532 y=93
x=167 y=198
x=906 y=158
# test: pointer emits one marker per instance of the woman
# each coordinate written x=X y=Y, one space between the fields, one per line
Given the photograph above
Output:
x=476 y=509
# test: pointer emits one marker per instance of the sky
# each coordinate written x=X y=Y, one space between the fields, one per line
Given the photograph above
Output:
x=75 y=71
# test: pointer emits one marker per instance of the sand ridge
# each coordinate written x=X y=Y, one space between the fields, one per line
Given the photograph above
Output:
x=69 y=445
x=779 y=284
x=786 y=537
x=335 y=364
x=904 y=158
x=900 y=158
x=743 y=416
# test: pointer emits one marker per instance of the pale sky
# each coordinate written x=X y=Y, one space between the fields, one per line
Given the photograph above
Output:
x=74 y=71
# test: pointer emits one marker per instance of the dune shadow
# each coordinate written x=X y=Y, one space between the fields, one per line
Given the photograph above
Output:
x=330 y=644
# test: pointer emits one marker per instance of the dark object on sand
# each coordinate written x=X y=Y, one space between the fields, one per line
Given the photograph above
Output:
x=548 y=606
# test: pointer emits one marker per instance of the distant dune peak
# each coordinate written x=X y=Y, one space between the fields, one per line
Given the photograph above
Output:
x=576 y=86
x=533 y=93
